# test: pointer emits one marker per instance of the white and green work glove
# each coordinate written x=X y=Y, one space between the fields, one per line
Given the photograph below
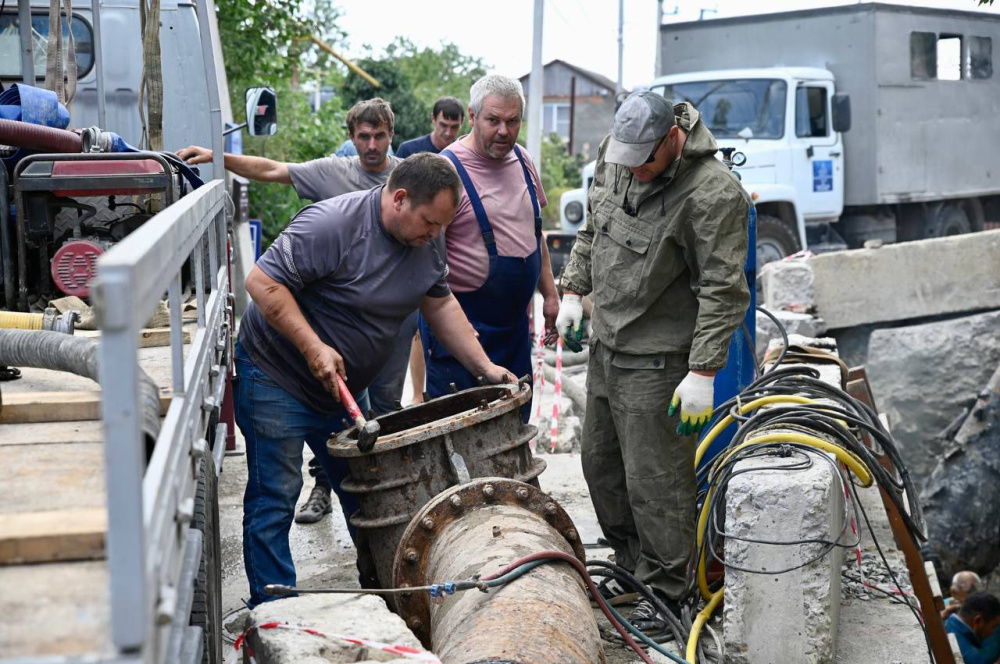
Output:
x=694 y=399
x=569 y=322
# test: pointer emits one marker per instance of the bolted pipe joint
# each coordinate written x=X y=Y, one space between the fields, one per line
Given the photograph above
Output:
x=479 y=534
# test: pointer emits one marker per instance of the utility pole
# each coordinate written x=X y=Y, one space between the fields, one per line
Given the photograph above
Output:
x=658 y=42
x=621 y=43
x=536 y=89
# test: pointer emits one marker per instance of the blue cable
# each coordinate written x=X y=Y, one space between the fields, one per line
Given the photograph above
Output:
x=645 y=639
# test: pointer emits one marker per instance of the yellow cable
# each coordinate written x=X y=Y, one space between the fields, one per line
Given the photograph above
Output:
x=699 y=622
x=728 y=419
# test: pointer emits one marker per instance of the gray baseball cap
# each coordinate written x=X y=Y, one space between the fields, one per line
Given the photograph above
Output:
x=643 y=119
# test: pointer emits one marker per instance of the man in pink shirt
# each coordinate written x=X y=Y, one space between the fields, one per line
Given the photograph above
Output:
x=496 y=256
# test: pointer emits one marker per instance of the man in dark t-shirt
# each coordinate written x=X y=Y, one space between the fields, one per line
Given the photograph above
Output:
x=446 y=120
x=329 y=297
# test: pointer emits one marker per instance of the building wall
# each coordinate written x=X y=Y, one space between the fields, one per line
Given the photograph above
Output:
x=594 y=110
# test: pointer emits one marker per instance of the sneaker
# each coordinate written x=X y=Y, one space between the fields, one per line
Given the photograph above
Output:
x=646 y=618
x=613 y=592
x=316 y=507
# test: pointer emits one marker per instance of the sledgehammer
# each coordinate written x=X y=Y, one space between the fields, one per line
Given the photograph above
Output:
x=367 y=431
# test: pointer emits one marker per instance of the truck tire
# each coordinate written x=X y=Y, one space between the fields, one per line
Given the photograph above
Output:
x=775 y=240
x=206 y=609
x=949 y=220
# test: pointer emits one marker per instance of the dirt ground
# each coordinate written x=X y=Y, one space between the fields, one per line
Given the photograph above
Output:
x=324 y=554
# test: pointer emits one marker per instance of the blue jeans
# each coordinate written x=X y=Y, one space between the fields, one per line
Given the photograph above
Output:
x=275 y=424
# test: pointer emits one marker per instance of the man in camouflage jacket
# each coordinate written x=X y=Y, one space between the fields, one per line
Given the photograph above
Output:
x=662 y=256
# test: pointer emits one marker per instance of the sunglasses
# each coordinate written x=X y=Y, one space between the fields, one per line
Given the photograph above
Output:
x=652 y=155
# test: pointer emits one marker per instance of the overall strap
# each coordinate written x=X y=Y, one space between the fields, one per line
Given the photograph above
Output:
x=531 y=192
x=477 y=204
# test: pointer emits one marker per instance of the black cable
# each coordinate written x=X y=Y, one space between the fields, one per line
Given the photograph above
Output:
x=626 y=578
x=784 y=338
x=892 y=575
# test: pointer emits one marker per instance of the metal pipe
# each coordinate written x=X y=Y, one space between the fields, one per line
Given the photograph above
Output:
x=6 y=255
x=24 y=31
x=424 y=450
x=541 y=617
x=95 y=11
x=205 y=9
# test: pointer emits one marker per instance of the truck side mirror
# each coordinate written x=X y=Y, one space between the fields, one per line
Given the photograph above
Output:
x=841 y=112
x=262 y=111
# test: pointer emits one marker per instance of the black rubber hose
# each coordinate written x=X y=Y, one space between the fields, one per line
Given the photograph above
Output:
x=41 y=349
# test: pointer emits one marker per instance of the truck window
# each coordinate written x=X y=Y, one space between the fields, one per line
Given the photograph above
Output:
x=980 y=57
x=923 y=55
x=810 y=112
x=10 y=44
x=730 y=107
x=949 y=57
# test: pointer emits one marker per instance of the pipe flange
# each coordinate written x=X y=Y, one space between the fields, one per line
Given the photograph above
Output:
x=410 y=564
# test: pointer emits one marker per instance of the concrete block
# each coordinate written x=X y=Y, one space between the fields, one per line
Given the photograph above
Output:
x=356 y=616
x=923 y=376
x=790 y=617
x=907 y=280
x=788 y=284
x=802 y=324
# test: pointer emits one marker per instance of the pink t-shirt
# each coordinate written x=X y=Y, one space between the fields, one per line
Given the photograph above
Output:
x=504 y=193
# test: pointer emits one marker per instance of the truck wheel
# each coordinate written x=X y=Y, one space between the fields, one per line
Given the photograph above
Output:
x=775 y=240
x=206 y=609
x=950 y=220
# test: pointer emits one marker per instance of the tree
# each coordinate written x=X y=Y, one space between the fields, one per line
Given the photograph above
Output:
x=263 y=44
x=412 y=115
x=412 y=79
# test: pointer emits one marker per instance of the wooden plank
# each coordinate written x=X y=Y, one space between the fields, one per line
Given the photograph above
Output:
x=27 y=407
x=42 y=537
x=51 y=433
x=58 y=609
x=150 y=337
x=50 y=478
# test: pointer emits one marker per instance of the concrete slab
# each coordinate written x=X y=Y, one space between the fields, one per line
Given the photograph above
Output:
x=907 y=280
x=338 y=618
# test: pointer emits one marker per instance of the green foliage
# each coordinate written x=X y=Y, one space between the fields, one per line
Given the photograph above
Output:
x=411 y=80
x=302 y=135
x=559 y=170
x=412 y=115
x=434 y=74
x=262 y=44
x=551 y=212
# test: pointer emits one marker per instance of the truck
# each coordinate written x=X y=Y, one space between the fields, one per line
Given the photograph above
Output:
x=857 y=123
x=109 y=540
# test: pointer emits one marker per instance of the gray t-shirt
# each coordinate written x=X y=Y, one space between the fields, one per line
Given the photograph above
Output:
x=324 y=178
x=355 y=285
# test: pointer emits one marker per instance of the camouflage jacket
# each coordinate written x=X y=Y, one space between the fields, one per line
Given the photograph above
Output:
x=663 y=260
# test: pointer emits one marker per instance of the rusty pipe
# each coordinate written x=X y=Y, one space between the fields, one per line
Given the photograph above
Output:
x=477 y=528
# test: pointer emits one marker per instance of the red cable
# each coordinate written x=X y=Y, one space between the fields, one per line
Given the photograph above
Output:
x=582 y=571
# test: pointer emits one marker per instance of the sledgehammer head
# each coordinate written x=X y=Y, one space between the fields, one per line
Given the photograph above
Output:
x=367 y=435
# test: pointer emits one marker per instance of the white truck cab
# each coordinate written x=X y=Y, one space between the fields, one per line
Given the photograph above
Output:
x=785 y=122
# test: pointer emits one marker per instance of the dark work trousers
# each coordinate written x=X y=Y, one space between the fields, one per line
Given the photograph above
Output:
x=640 y=471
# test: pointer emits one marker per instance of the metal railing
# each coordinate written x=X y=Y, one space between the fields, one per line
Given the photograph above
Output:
x=150 y=547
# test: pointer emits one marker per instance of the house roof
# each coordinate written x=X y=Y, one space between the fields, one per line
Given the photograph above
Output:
x=594 y=77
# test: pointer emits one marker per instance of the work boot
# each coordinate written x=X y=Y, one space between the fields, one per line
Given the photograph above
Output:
x=613 y=592
x=316 y=507
x=647 y=619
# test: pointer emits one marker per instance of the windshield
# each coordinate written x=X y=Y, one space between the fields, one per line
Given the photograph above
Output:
x=746 y=108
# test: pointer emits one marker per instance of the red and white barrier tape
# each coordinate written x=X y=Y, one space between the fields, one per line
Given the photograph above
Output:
x=539 y=377
x=407 y=652
x=558 y=394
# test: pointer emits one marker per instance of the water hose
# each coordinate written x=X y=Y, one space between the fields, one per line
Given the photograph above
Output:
x=40 y=349
x=36 y=137
x=699 y=622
